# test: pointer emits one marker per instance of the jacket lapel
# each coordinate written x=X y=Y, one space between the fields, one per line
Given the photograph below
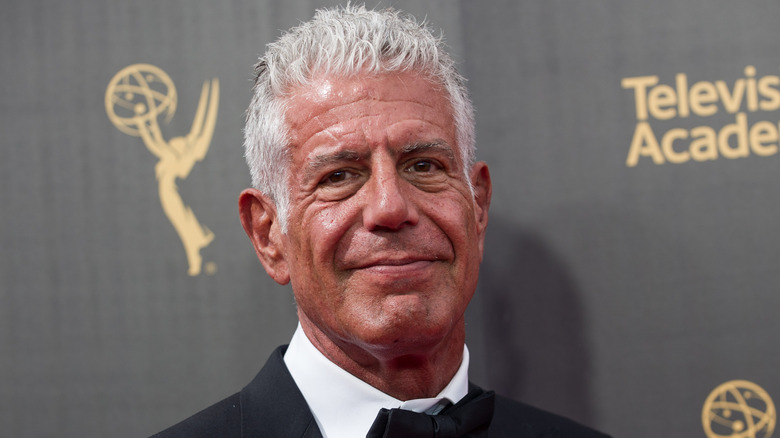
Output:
x=273 y=394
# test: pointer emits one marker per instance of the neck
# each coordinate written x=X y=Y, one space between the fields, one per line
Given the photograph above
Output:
x=409 y=371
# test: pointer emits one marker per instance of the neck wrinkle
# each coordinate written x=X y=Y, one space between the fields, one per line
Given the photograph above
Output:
x=405 y=376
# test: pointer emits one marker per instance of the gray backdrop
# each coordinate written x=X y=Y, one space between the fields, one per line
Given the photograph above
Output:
x=620 y=295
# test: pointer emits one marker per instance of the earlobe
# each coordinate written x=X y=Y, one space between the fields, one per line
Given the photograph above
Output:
x=258 y=216
x=483 y=190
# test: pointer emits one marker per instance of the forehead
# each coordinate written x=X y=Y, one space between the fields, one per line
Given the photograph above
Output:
x=369 y=109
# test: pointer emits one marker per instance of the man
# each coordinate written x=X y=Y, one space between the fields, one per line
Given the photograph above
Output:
x=367 y=199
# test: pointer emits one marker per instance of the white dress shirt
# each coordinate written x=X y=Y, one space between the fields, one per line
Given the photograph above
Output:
x=345 y=406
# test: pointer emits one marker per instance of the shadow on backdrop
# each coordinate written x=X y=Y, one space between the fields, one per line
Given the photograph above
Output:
x=528 y=317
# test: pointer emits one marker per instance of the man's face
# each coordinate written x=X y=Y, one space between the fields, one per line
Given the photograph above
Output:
x=384 y=237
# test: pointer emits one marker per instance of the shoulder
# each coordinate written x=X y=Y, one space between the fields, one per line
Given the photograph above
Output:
x=513 y=418
x=221 y=419
x=276 y=405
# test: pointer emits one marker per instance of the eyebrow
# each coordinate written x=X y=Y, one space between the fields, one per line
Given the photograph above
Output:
x=316 y=164
x=440 y=146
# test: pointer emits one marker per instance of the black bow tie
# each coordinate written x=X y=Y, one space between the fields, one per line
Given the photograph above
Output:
x=470 y=417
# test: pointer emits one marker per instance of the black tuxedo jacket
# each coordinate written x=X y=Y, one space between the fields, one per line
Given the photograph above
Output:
x=271 y=406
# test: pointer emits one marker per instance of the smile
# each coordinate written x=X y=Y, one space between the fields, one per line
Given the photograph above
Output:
x=397 y=267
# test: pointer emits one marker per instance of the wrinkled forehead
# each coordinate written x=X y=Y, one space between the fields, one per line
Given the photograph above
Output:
x=385 y=98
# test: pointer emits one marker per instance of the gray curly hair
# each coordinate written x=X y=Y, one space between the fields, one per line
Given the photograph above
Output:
x=344 y=41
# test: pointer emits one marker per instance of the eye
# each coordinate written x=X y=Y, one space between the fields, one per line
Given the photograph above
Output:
x=339 y=184
x=337 y=177
x=422 y=166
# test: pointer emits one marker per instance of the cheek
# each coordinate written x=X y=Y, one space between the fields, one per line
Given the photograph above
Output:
x=455 y=216
x=325 y=230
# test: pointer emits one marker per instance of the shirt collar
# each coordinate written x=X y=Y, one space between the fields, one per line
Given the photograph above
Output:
x=345 y=406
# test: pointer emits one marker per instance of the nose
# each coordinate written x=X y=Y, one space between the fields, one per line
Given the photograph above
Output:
x=388 y=205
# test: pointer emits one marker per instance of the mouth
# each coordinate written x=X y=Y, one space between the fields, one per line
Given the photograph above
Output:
x=396 y=266
x=399 y=265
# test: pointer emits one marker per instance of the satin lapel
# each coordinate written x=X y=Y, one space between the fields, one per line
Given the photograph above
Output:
x=273 y=407
x=312 y=431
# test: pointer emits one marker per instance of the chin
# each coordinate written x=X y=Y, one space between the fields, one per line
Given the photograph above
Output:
x=403 y=335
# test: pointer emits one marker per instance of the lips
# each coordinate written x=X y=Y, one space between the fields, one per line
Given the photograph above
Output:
x=395 y=263
x=397 y=252
x=399 y=271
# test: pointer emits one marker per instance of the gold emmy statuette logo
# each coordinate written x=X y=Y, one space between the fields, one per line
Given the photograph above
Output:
x=136 y=98
x=738 y=409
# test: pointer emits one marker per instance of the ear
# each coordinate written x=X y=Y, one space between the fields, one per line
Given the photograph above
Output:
x=258 y=216
x=483 y=190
